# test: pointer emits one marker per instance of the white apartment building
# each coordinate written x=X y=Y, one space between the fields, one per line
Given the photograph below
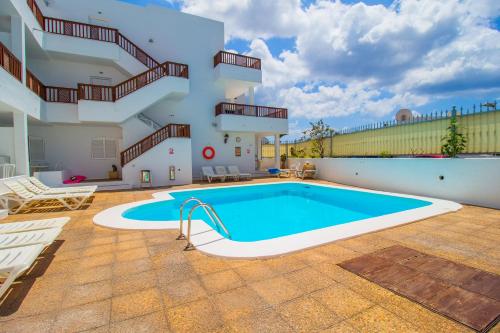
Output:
x=86 y=85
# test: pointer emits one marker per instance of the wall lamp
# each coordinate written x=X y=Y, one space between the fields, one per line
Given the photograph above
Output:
x=226 y=137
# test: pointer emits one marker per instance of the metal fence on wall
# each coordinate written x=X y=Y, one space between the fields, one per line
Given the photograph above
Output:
x=421 y=135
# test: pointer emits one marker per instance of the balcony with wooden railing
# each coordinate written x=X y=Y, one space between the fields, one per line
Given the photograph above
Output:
x=169 y=131
x=250 y=110
x=224 y=57
x=91 y=31
x=10 y=63
x=113 y=93
x=51 y=94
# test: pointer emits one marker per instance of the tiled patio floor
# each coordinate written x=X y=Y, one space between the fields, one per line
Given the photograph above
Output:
x=102 y=280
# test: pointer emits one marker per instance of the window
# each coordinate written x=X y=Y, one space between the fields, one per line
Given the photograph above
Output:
x=103 y=148
x=36 y=147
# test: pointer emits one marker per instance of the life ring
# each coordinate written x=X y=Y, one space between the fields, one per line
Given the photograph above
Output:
x=208 y=152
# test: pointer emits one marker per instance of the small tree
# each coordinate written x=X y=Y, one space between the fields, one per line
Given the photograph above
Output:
x=454 y=142
x=318 y=132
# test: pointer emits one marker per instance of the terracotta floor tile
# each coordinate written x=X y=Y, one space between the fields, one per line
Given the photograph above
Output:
x=221 y=281
x=180 y=292
x=209 y=265
x=83 y=317
x=135 y=304
x=174 y=273
x=84 y=276
x=133 y=282
x=309 y=279
x=40 y=324
x=97 y=260
x=284 y=264
x=237 y=303
x=87 y=293
x=255 y=271
x=153 y=322
x=132 y=254
x=306 y=314
x=341 y=300
x=196 y=317
x=265 y=321
x=276 y=290
x=341 y=327
x=132 y=267
x=377 y=319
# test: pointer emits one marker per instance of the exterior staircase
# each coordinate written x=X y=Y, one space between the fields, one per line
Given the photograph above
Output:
x=149 y=142
x=87 y=31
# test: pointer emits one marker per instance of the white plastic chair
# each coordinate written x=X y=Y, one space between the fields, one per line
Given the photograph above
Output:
x=58 y=222
x=7 y=170
x=55 y=190
x=15 y=261
x=221 y=171
x=235 y=170
x=44 y=237
x=208 y=173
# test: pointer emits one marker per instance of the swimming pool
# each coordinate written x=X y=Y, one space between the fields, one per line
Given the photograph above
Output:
x=274 y=215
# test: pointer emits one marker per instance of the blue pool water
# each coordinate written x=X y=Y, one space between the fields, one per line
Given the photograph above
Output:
x=260 y=212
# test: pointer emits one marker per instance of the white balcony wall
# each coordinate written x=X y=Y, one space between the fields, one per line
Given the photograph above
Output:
x=236 y=79
x=130 y=105
x=158 y=160
x=15 y=97
x=92 y=50
x=238 y=123
x=7 y=140
x=69 y=72
x=60 y=113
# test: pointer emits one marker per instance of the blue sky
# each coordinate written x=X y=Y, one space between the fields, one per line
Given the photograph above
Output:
x=356 y=62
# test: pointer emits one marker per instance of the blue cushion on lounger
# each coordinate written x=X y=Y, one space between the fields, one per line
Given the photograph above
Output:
x=273 y=171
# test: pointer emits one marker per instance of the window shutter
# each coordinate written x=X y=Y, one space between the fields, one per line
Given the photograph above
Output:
x=36 y=146
x=104 y=148
x=110 y=148
x=97 y=148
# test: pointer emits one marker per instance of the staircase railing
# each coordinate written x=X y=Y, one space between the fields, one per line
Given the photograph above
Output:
x=112 y=93
x=51 y=94
x=250 y=110
x=10 y=63
x=90 y=31
x=169 y=131
x=224 y=57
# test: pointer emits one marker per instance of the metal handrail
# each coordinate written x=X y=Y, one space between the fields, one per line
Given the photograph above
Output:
x=184 y=203
x=217 y=221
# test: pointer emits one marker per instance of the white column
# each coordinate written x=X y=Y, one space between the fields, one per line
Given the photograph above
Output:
x=21 y=143
x=277 y=157
x=258 y=151
x=251 y=96
x=18 y=42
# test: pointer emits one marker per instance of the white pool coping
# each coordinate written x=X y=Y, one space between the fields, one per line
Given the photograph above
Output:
x=209 y=241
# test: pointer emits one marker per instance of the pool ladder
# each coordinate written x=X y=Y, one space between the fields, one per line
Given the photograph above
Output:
x=211 y=213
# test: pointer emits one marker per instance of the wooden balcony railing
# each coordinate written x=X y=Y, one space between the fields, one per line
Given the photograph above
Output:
x=10 y=63
x=113 y=93
x=90 y=31
x=36 y=11
x=169 y=131
x=51 y=94
x=224 y=57
x=250 y=110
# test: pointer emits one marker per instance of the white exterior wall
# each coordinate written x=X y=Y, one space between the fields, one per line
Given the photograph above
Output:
x=70 y=146
x=177 y=37
x=473 y=181
x=171 y=152
x=7 y=142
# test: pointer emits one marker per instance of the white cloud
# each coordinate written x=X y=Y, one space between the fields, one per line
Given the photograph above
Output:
x=354 y=58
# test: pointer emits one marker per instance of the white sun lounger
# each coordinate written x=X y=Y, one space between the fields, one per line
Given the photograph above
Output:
x=208 y=173
x=24 y=197
x=54 y=190
x=221 y=171
x=15 y=261
x=44 y=237
x=58 y=222
x=235 y=170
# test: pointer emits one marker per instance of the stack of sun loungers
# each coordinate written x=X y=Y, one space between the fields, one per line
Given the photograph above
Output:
x=221 y=173
x=21 y=243
x=28 y=191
